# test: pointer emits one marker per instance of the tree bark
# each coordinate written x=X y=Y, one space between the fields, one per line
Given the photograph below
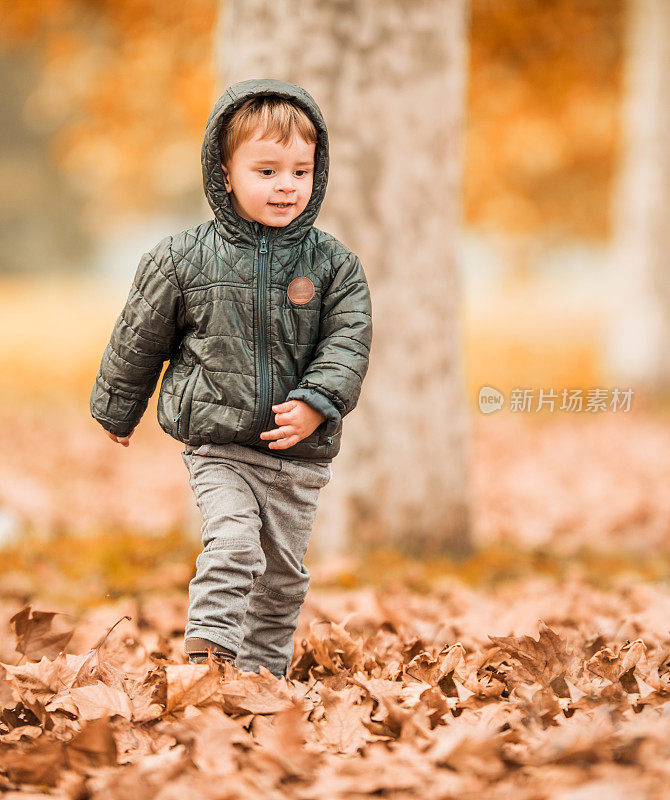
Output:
x=390 y=79
x=637 y=346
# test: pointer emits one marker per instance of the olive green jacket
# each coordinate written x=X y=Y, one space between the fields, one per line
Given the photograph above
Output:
x=214 y=301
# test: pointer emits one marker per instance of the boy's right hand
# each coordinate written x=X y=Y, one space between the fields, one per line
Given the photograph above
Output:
x=124 y=440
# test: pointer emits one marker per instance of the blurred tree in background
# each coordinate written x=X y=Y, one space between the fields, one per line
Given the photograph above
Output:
x=391 y=87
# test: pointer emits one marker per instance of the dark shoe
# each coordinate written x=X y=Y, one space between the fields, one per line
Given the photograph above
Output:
x=198 y=650
x=200 y=658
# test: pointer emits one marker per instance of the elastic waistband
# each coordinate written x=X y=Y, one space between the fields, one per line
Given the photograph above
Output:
x=239 y=452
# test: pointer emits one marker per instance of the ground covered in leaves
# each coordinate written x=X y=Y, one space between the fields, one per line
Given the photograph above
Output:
x=538 y=668
x=528 y=689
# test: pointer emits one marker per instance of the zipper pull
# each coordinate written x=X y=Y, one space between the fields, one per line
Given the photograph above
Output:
x=264 y=244
x=174 y=419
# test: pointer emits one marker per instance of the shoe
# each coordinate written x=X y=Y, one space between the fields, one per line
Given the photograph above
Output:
x=200 y=658
x=198 y=650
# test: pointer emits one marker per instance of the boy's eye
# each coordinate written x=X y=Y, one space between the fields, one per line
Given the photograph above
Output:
x=267 y=172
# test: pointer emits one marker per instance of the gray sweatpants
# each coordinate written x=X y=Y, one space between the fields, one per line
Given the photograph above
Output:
x=250 y=581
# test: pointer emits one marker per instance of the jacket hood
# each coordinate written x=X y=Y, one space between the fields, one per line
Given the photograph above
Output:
x=233 y=227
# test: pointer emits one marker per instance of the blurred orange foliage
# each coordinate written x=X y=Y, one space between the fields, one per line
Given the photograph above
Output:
x=543 y=103
x=125 y=89
x=127 y=85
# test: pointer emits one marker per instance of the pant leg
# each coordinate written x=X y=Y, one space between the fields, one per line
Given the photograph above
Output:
x=278 y=594
x=229 y=495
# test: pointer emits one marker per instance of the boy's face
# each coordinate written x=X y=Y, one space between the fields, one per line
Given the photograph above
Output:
x=263 y=173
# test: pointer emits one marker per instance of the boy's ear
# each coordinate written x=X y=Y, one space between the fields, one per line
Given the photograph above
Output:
x=225 y=176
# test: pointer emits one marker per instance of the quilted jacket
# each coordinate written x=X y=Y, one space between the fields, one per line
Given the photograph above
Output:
x=213 y=301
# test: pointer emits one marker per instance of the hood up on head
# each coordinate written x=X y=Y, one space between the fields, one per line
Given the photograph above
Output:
x=233 y=227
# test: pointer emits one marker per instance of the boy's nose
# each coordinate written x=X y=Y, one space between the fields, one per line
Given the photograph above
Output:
x=285 y=185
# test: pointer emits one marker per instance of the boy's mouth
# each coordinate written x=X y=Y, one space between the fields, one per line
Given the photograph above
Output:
x=281 y=205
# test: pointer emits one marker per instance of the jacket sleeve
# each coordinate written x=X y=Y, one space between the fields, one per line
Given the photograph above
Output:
x=332 y=382
x=145 y=334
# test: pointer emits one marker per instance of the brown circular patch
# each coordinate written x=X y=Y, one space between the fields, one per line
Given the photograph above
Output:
x=300 y=290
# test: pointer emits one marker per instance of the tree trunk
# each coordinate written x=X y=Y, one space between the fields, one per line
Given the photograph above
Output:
x=637 y=349
x=390 y=79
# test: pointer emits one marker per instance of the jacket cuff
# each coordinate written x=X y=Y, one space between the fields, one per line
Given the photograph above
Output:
x=321 y=403
x=112 y=427
x=121 y=412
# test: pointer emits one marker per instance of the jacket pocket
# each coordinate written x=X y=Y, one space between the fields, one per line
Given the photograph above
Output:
x=326 y=438
x=183 y=416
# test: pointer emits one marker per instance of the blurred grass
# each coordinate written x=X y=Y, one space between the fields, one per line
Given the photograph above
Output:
x=532 y=334
x=87 y=571
x=53 y=331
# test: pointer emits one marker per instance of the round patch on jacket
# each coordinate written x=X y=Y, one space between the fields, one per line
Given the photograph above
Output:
x=300 y=290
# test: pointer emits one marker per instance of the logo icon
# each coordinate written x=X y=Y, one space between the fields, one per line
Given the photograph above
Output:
x=490 y=400
x=300 y=290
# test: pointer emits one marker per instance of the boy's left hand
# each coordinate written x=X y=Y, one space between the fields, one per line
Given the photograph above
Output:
x=124 y=440
x=296 y=419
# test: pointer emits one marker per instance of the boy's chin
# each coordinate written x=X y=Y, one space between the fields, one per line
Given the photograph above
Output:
x=276 y=224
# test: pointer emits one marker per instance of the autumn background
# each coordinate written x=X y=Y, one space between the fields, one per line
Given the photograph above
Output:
x=413 y=647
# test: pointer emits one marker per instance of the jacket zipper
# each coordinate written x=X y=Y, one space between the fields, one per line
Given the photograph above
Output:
x=262 y=340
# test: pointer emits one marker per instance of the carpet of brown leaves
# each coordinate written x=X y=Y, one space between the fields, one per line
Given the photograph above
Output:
x=527 y=674
x=391 y=694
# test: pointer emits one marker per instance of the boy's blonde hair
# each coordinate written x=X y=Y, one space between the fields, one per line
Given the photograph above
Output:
x=277 y=119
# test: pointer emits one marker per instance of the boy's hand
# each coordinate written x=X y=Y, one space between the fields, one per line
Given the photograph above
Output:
x=124 y=440
x=296 y=419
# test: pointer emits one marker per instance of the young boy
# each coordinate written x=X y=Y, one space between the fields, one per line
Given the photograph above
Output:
x=266 y=322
